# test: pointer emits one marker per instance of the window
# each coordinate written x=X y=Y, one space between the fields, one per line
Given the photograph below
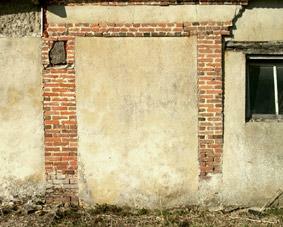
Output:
x=264 y=88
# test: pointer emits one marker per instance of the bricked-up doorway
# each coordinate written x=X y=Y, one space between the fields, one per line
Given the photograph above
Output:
x=61 y=126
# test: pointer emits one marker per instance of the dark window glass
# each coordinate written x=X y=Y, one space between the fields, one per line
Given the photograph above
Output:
x=261 y=89
x=280 y=88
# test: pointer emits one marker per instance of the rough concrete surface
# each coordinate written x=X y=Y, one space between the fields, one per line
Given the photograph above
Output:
x=19 y=20
x=140 y=14
x=253 y=157
x=57 y=53
x=21 y=120
x=137 y=120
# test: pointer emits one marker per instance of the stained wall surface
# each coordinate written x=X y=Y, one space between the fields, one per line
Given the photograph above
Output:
x=137 y=120
x=261 y=21
x=140 y=14
x=21 y=118
x=253 y=157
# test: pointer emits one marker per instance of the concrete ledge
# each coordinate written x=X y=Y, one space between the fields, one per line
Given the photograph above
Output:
x=140 y=14
x=256 y=47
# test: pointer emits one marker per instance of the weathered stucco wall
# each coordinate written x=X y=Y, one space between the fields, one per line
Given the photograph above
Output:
x=21 y=131
x=19 y=19
x=137 y=120
x=140 y=14
x=253 y=157
x=261 y=21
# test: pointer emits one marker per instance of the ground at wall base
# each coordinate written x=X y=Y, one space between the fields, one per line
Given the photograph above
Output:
x=28 y=214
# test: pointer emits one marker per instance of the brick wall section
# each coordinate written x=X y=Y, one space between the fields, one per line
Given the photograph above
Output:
x=210 y=97
x=60 y=124
x=118 y=30
x=60 y=97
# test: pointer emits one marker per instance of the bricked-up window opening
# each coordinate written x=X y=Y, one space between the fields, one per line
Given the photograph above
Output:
x=57 y=54
x=264 y=90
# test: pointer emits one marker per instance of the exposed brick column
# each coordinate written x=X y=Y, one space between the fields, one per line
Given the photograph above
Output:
x=210 y=96
x=60 y=124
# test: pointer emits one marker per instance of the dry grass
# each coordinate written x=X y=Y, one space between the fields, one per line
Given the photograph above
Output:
x=107 y=215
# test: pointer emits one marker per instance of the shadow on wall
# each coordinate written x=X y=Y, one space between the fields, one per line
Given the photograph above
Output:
x=58 y=10
x=8 y=7
x=162 y=2
x=16 y=6
x=265 y=4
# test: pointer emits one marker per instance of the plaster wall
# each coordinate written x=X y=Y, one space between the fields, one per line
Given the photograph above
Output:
x=253 y=156
x=261 y=21
x=21 y=120
x=140 y=14
x=137 y=120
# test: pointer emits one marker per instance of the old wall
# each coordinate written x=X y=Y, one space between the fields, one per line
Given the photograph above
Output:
x=19 y=19
x=140 y=14
x=195 y=21
x=137 y=120
x=261 y=21
x=150 y=123
x=121 y=159
x=21 y=118
x=253 y=157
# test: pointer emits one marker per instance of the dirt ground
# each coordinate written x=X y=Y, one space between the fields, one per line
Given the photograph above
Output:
x=38 y=214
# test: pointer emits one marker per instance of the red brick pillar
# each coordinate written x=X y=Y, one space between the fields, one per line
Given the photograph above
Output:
x=210 y=96
x=60 y=123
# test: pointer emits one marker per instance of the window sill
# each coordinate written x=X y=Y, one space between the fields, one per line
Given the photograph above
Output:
x=266 y=118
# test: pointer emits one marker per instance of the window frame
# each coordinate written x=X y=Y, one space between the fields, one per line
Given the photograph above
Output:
x=266 y=60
